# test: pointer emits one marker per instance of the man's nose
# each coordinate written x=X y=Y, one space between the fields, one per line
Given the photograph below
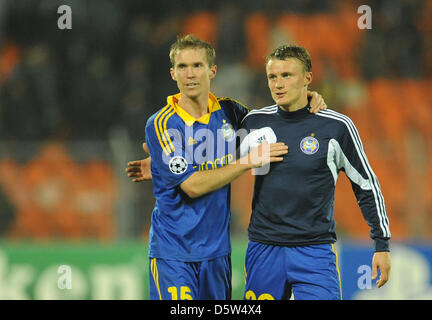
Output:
x=279 y=84
x=190 y=73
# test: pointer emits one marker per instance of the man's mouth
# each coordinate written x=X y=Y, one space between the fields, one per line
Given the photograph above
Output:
x=191 y=85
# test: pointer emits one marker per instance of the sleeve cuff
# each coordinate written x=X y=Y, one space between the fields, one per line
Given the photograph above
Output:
x=381 y=244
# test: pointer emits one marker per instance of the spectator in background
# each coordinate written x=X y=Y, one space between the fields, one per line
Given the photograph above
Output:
x=400 y=57
x=29 y=108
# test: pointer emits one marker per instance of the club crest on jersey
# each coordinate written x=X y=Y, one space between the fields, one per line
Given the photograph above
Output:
x=178 y=165
x=228 y=131
x=309 y=145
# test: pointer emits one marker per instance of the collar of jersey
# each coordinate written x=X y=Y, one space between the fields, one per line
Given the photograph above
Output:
x=213 y=105
x=300 y=113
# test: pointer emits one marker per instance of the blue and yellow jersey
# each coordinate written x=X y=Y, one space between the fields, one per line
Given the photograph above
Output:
x=186 y=229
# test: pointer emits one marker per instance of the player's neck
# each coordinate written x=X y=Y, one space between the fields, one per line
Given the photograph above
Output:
x=295 y=105
x=196 y=107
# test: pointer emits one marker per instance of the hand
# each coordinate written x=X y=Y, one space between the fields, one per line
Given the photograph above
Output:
x=266 y=153
x=139 y=170
x=381 y=261
x=317 y=102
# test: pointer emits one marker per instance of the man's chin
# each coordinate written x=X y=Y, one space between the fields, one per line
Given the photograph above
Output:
x=191 y=93
x=282 y=102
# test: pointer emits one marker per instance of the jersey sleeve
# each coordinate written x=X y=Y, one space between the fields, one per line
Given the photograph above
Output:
x=235 y=110
x=350 y=157
x=241 y=112
x=170 y=162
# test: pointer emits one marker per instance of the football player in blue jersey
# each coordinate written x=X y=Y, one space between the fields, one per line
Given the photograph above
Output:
x=192 y=144
x=292 y=228
x=192 y=147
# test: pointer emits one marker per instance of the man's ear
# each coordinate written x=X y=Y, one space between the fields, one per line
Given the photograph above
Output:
x=308 y=78
x=213 y=71
x=173 y=74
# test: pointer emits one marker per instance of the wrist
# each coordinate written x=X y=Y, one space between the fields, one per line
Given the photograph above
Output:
x=381 y=245
x=246 y=163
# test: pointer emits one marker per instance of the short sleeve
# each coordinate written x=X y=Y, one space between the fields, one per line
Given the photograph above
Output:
x=170 y=161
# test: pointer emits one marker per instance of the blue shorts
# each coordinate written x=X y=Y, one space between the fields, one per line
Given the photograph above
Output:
x=177 y=280
x=275 y=272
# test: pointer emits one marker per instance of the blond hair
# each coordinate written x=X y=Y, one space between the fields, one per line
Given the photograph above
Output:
x=191 y=41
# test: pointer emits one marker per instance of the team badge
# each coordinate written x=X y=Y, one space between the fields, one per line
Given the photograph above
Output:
x=191 y=141
x=178 y=165
x=228 y=131
x=309 y=145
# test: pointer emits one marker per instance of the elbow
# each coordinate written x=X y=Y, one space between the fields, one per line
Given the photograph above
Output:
x=191 y=190
x=193 y=194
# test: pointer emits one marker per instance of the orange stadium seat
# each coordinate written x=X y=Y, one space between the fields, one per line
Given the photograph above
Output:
x=350 y=38
x=96 y=200
x=347 y=212
x=59 y=198
x=9 y=58
x=388 y=108
x=257 y=27
x=415 y=97
x=299 y=30
x=329 y=38
x=53 y=178
x=203 y=24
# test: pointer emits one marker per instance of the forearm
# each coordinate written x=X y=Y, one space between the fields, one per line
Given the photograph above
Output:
x=203 y=182
x=375 y=216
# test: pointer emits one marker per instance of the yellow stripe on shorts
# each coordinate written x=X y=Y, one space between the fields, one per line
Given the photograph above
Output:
x=155 y=274
x=337 y=268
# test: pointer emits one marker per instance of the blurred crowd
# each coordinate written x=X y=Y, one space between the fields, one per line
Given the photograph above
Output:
x=111 y=71
x=112 y=67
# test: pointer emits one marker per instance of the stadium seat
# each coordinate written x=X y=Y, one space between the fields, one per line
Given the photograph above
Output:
x=257 y=27
x=203 y=24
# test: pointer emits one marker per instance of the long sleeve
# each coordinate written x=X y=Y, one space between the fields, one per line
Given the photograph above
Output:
x=350 y=157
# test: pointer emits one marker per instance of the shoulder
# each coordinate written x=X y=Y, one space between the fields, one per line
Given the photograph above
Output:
x=340 y=122
x=230 y=102
x=161 y=119
x=262 y=112
x=335 y=117
x=158 y=126
x=233 y=109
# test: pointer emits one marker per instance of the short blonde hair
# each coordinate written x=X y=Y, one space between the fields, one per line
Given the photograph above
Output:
x=192 y=41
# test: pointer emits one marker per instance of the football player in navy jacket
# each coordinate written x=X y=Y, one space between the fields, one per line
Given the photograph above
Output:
x=292 y=228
